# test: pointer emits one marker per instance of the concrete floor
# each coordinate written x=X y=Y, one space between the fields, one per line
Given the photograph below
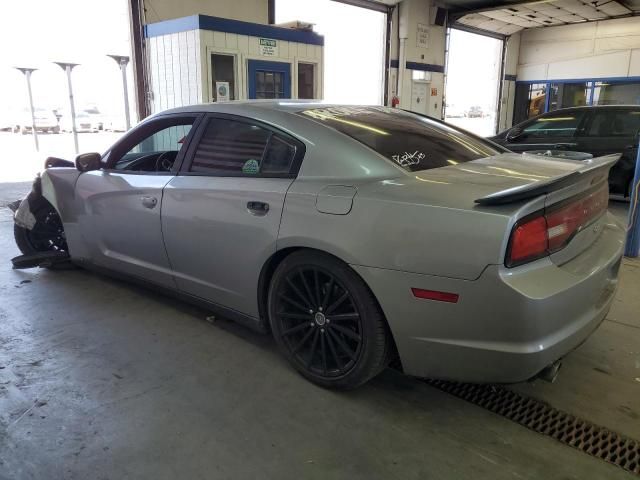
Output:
x=102 y=380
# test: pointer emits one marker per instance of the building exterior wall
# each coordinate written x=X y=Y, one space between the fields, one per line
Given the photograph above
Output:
x=175 y=70
x=605 y=49
x=418 y=58
x=247 y=10
x=247 y=48
x=509 y=84
x=179 y=56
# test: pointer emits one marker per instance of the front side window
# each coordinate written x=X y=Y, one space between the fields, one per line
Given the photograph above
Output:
x=615 y=123
x=561 y=125
x=414 y=143
x=232 y=148
x=156 y=151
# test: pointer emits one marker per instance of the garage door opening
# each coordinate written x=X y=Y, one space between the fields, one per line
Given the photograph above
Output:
x=473 y=81
x=353 y=51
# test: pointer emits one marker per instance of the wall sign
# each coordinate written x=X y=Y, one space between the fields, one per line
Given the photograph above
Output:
x=268 y=47
x=422 y=36
x=222 y=91
x=434 y=92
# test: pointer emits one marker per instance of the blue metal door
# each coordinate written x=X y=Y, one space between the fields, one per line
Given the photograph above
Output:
x=269 y=79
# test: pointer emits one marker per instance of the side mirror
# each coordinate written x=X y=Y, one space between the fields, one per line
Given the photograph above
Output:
x=87 y=162
x=514 y=134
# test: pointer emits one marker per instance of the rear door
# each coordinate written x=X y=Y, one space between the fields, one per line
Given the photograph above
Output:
x=552 y=131
x=614 y=130
x=221 y=213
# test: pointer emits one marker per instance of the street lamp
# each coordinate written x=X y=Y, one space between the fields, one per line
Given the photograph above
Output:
x=27 y=74
x=123 y=61
x=67 y=67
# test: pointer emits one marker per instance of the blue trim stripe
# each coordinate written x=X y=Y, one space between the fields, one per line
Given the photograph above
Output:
x=205 y=22
x=425 y=67
x=511 y=78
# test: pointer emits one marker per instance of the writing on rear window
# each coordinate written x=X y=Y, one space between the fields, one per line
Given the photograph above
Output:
x=410 y=141
x=407 y=159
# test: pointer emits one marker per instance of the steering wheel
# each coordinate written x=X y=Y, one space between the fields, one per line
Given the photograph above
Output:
x=164 y=163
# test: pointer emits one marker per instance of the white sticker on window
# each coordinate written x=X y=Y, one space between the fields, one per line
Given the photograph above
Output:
x=407 y=159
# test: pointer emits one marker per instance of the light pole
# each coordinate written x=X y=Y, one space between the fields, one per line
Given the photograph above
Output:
x=27 y=74
x=67 y=67
x=123 y=61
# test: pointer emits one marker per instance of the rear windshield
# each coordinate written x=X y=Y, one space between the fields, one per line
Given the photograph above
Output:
x=413 y=142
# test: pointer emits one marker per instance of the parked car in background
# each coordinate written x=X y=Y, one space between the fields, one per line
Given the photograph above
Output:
x=453 y=111
x=355 y=235
x=475 y=112
x=45 y=121
x=97 y=118
x=84 y=123
x=598 y=130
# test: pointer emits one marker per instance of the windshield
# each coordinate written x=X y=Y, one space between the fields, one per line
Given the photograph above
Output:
x=413 y=142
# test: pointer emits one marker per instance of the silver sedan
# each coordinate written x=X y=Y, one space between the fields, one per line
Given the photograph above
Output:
x=357 y=236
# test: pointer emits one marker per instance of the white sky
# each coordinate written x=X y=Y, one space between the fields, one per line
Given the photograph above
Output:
x=354 y=47
x=473 y=70
x=34 y=33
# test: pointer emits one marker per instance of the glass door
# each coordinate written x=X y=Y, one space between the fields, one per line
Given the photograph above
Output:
x=269 y=79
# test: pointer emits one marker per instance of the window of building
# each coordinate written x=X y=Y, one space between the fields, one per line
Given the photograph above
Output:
x=616 y=93
x=560 y=125
x=306 y=76
x=530 y=100
x=564 y=95
x=231 y=148
x=222 y=70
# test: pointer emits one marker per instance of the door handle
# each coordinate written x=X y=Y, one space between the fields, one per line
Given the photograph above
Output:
x=149 y=202
x=258 y=208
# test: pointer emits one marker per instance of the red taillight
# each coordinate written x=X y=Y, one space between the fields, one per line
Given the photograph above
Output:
x=528 y=241
x=435 y=295
x=552 y=229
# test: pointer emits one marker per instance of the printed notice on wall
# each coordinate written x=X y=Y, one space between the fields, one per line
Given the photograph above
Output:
x=268 y=47
x=222 y=91
x=423 y=36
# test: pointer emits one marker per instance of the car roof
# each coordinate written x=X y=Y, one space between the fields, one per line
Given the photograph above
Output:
x=259 y=106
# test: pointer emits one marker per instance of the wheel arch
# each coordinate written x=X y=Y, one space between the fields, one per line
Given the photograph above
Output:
x=266 y=274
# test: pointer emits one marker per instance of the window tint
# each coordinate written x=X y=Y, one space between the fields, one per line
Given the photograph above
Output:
x=415 y=143
x=230 y=147
x=614 y=123
x=561 y=125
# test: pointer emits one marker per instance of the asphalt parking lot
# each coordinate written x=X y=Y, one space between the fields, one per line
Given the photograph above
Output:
x=103 y=380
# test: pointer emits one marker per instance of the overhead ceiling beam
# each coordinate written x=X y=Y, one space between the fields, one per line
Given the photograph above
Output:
x=370 y=4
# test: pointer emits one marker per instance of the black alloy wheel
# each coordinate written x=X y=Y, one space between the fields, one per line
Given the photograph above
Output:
x=326 y=321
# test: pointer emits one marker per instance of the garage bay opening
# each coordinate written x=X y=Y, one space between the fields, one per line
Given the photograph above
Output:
x=473 y=81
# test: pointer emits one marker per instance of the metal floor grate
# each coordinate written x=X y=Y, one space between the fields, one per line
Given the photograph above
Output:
x=542 y=418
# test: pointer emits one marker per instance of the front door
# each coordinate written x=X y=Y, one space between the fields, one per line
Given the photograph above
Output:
x=221 y=213
x=122 y=203
x=269 y=79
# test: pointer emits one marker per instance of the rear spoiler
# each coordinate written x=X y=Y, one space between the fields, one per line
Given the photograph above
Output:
x=556 y=183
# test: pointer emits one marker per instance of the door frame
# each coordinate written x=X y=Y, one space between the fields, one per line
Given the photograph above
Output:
x=269 y=66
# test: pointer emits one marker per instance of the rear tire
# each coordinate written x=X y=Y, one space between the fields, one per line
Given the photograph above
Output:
x=326 y=321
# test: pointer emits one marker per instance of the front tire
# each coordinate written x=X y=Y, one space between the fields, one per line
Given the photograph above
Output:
x=326 y=321
x=47 y=234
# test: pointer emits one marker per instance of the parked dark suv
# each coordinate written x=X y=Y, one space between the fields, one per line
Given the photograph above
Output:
x=598 y=130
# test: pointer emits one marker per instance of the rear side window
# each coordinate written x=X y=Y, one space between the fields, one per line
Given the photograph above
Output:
x=562 y=124
x=412 y=142
x=615 y=123
x=233 y=148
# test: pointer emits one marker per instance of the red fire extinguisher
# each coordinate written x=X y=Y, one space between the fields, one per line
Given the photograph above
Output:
x=395 y=101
